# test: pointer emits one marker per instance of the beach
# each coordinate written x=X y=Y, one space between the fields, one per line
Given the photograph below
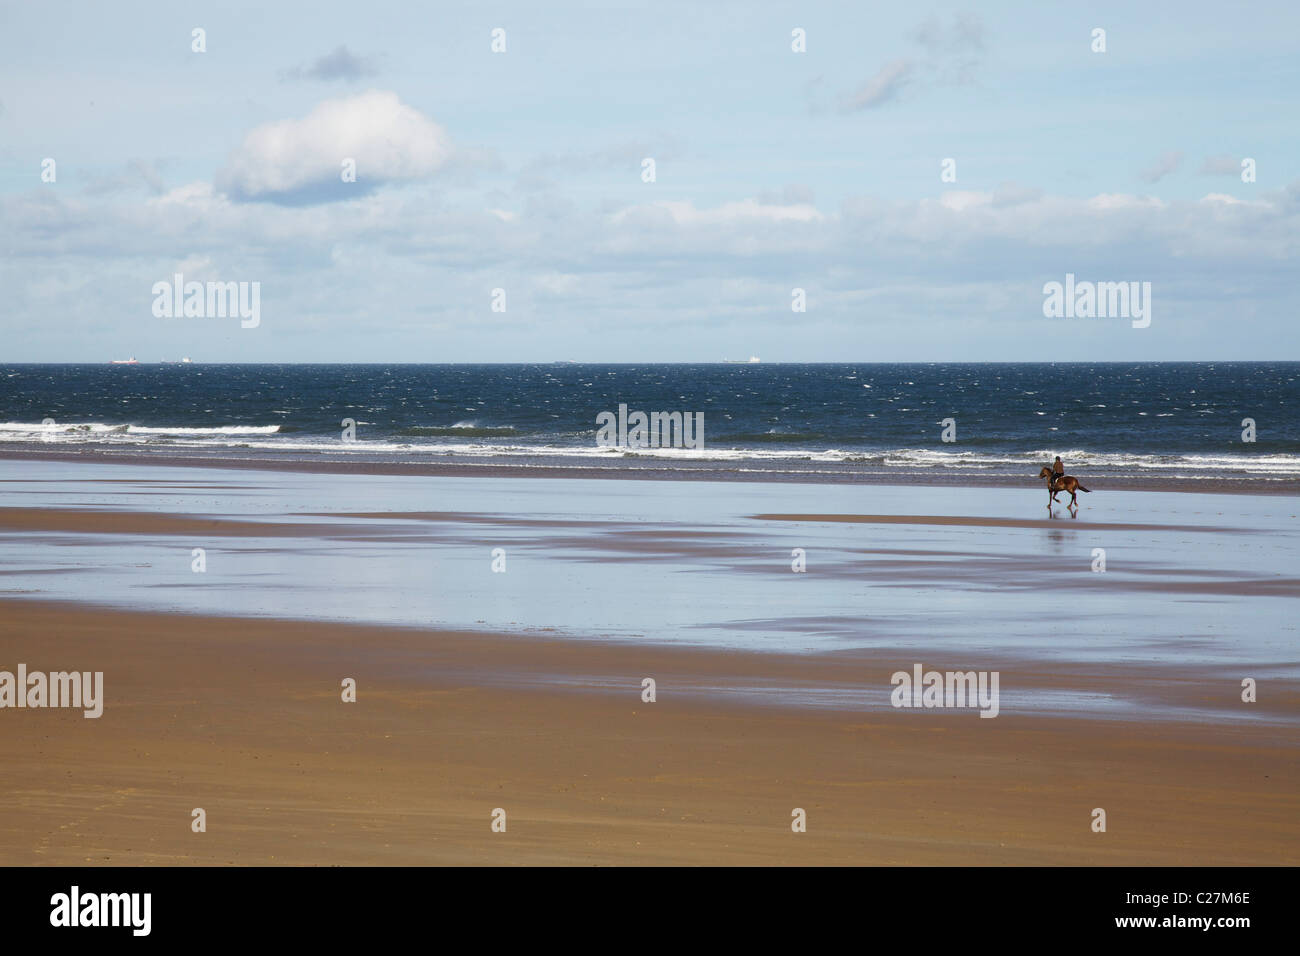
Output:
x=245 y=720
x=624 y=435
x=521 y=689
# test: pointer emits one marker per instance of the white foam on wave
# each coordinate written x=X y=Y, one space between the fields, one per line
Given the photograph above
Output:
x=902 y=458
x=267 y=437
x=223 y=430
x=74 y=431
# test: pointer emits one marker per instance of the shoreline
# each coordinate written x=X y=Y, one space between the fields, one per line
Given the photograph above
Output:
x=243 y=717
x=686 y=470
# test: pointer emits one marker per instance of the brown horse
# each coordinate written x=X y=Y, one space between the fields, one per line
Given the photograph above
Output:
x=1064 y=483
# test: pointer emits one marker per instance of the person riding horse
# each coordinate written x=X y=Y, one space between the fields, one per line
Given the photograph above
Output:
x=1058 y=480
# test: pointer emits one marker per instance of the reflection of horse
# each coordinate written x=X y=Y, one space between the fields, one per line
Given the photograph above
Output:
x=1064 y=483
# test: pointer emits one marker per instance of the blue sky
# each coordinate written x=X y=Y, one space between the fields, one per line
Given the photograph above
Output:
x=774 y=170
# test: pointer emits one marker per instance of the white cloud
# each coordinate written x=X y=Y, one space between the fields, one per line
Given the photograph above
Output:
x=339 y=64
x=1220 y=166
x=1223 y=199
x=882 y=87
x=686 y=214
x=1162 y=167
x=557 y=283
x=300 y=160
x=945 y=55
x=1117 y=201
x=958 y=200
x=191 y=265
x=195 y=195
x=344 y=265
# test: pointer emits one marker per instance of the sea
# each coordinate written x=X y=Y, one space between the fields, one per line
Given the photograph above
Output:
x=1200 y=420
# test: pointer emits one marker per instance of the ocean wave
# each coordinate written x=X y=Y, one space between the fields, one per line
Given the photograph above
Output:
x=771 y=436
x=901 y=459
x=223 y=430
x=459 y=430
x=982 y=460
x=10 y=431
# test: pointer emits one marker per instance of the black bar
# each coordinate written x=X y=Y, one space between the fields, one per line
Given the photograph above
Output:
x=962 y=906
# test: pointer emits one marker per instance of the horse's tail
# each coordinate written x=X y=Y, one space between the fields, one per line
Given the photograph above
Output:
x=1081 y=488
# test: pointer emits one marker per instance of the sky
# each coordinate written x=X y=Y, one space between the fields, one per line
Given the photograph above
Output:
x=523 y=169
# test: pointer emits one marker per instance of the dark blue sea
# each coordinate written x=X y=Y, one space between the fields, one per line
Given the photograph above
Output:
x=1166 y=419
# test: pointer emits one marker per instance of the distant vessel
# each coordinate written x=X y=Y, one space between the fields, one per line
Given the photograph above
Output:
x=753 y=360
x=184 y=361
x=130 y=361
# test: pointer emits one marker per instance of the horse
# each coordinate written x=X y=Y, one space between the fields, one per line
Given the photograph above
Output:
x=1064 y=483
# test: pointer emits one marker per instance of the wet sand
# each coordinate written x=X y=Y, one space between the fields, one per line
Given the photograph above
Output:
x=967 y=521
x=1199 y=591
x=244 y=719
x=1118 y=690
x=97 y=521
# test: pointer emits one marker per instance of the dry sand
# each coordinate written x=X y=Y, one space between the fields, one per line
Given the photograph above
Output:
x=244 y=719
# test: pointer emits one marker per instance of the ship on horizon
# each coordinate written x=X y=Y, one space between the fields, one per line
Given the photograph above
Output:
x=130 y=361
x=752 y=360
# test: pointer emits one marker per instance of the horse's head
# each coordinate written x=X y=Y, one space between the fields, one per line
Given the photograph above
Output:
x=1045 y=472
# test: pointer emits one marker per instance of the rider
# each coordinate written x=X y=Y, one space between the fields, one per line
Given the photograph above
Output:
x=1058 y=471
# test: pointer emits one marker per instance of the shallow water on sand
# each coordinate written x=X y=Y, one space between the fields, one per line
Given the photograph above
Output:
x=1190 y=579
